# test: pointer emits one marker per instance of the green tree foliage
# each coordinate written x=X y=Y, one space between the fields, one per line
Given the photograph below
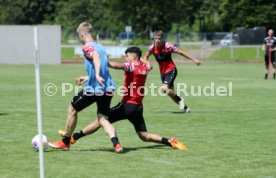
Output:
x=25 y=12
x=146 y=16
x=71 y=13
x=247 y=13
x=143 y=16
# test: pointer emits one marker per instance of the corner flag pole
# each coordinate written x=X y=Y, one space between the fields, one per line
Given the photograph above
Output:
x=269 y=59
x=38 y=102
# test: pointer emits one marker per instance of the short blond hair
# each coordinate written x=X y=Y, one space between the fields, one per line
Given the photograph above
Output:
x=84 y=27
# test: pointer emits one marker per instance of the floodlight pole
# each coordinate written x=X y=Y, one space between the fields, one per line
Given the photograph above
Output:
x=38 y=102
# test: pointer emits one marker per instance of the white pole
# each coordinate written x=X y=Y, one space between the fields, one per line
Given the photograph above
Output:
x=231 y=48
x=38 y=102
x=258 y=52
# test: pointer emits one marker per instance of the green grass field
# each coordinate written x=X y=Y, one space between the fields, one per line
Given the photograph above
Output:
x=228 y=136
x=242 y=54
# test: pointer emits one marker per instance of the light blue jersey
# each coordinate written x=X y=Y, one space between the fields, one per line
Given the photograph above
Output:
x=92 y=85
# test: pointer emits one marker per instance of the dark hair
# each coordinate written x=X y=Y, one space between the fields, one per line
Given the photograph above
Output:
x=135 y=50
x=159 y=33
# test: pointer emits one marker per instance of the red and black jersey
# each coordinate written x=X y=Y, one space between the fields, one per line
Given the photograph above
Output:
x=134 y=83
x=163 y=56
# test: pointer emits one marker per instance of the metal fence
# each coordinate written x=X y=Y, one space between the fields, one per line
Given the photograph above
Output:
x=200 y=45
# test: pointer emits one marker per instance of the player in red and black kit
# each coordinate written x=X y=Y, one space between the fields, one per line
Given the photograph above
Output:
x=162 y=52
x=269 y=46
x=131 y=106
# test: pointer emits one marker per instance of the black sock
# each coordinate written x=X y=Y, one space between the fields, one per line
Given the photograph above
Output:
x=76 y=136
x=177 y=99
x=165 y=141
x=115 y=141
x=274 y=75
x=185 y=107
x=66 y=140
x=266 y=76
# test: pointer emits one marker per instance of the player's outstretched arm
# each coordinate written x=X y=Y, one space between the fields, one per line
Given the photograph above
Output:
x=182 y=53
x=146 y=57
x=116 y=65
x=146 y=62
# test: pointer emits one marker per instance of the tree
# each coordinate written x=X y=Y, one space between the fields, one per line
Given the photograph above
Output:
x=26 y=12
x=70 y=13
x=150 y=15
x=248 y=14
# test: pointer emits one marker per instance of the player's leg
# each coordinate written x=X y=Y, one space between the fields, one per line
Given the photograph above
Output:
x=273 y=63
x=170 y=91
x=274 y=73
x=135 y=116
x=72 y=116
x=168 y=88
x=172 y=142
x=266 y=61
x=89 y=129
x=78 y=103
x=115 y=114
x=103 y=103
x=151 y=137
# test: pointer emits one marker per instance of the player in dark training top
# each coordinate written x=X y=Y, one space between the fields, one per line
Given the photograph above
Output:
x=269 y=46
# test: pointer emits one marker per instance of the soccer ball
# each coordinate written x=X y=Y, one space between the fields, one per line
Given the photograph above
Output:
x=35 y=142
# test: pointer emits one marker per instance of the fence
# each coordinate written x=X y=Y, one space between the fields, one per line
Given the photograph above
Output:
x=204 y=46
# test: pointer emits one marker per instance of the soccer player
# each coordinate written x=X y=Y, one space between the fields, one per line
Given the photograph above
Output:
x=98 y=89
x=162 y=52
x=269 y=46
x=131 y=106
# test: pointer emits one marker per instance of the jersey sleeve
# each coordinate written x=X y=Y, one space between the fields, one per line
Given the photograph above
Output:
x=88 y=51
x=129 y=67
x=171 y=47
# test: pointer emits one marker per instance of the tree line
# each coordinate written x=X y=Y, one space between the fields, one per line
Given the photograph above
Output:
x=143 y=16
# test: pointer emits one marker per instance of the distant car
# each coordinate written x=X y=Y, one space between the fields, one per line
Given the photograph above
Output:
x=228 y=40
x=125 y=37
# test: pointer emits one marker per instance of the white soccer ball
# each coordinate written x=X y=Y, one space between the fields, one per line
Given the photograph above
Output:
x=35 y=142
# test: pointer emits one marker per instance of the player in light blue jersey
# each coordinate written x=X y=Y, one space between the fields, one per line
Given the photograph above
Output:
x=98 y=88
x=107 y=85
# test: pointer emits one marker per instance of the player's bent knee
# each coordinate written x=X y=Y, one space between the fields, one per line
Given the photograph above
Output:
x=72 y=110
x=164 y=89
x=143 y=136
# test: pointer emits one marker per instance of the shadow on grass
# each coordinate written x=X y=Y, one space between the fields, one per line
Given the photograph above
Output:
x=3 y=114
x=171 y=111
x=213 y=110
x=126 y=149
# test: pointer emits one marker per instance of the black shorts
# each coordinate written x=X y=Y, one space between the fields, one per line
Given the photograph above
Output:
x=132 y=112
x=272 y=59
x=82 y=100
x=168 y=78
